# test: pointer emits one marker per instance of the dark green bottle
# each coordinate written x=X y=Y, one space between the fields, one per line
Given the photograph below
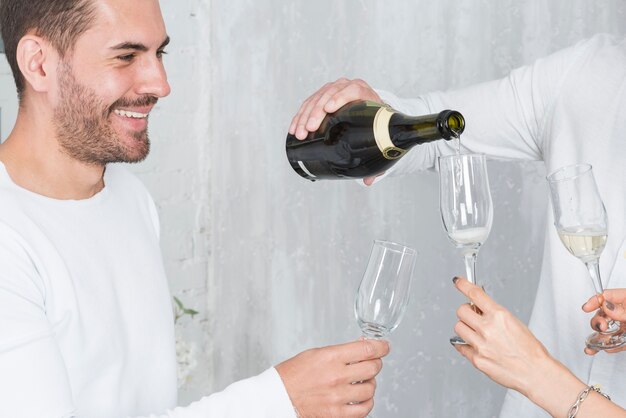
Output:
x=364 y=138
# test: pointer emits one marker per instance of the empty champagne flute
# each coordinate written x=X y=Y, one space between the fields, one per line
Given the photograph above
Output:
x=581 y=222
x=383 y=294
x=466 y=207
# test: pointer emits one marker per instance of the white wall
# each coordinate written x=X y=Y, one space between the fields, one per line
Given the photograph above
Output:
x=8 y=99
x=286 y=255
x=272 y=261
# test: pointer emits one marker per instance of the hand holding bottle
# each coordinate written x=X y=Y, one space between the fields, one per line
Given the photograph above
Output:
x=328 y=99
x=321 y=382
x=343 y=131
x=613 y=301
x=364 y=138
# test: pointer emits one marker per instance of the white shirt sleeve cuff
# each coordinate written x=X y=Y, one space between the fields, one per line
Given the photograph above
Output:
x=262 y=396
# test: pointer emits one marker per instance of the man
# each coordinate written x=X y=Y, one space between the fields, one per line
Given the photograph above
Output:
x=564 y=109
x=86 y=325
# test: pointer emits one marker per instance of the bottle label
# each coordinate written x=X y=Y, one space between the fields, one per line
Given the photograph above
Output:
x=381 y=134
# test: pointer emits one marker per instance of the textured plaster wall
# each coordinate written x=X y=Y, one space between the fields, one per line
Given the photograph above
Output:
x=270 y=261
x=287 y=255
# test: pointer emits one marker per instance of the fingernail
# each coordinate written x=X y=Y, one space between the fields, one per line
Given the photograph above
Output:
x=583 y=307
x=454 y=279
x=609 y=305
x=330 y=104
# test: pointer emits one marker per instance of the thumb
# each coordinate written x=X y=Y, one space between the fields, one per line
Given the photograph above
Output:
x=614 y=311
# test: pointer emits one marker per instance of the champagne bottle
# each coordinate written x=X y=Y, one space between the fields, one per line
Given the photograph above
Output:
x=365 y=138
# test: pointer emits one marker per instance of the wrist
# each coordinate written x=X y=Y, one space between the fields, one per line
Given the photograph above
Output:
x=573 y=411
x=554 y=388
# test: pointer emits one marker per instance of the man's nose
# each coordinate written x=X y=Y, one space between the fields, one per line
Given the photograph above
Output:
x=153 y=79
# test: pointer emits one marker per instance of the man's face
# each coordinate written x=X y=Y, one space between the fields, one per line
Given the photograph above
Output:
x=111 y=81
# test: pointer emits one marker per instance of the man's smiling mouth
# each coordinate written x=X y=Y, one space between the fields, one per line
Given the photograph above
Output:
x=130 y=114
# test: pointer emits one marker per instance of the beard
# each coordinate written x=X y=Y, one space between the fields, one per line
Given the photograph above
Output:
x=83 y=126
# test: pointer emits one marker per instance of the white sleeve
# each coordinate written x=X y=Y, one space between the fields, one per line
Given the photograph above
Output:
x=262 y=396
x=33 y=376
x=505 y=118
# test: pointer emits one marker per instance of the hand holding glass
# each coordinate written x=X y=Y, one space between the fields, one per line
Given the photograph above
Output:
x=581 y=222
x=466 y=207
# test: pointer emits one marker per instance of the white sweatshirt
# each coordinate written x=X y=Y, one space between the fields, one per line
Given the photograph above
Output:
x=567 y=108
x=86 y=326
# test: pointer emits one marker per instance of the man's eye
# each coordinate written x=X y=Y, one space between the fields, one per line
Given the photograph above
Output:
x=126 y=58
x=161 y=53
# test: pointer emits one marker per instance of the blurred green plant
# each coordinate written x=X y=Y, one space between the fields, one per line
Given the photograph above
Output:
x=180 y=310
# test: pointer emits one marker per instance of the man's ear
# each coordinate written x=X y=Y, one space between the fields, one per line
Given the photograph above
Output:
x=37 y=60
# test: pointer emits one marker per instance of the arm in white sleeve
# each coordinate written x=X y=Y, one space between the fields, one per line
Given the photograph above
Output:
x=34 y=380
x=262 y=396
x=33 y=377
x=505 y=118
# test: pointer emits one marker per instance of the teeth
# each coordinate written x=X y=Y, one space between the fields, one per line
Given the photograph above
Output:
x=129 y=114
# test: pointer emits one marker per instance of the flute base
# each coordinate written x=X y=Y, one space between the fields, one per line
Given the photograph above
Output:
x=608 y=340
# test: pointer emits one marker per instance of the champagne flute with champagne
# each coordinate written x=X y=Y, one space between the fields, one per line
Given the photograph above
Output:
x=581 y=222
x=466 y=207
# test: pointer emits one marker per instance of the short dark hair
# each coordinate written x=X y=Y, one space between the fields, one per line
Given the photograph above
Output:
x=60 y=22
